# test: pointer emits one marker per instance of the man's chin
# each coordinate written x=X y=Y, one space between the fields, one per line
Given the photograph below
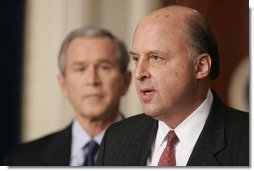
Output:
x=94 y=115
x=152 y=113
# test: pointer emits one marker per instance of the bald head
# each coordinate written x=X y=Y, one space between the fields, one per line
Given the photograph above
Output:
x=168 y=18
x=188 y=25
x=170 y=13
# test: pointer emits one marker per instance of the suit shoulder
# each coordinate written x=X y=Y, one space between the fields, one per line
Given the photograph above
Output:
x=231 y=113
x=237 y=115
x=38 y=144
x=134 y=123
x=134 y=120
x=33 y=146
x=31 y=150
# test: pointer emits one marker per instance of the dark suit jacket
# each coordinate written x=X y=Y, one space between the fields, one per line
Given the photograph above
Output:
x=52 y=150
x=224 y=140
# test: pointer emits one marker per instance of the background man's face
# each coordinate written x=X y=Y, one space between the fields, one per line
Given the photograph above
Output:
x=93 y=82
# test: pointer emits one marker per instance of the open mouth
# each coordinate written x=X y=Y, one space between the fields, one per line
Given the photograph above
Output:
x=147 y=94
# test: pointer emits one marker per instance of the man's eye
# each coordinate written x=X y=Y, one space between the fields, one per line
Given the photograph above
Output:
x=135 y=59
x=155 y=58
x=105 y=67
x=79 y=69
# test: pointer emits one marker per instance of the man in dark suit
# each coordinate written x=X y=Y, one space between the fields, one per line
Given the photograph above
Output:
x=185 y=123
x=94 y=76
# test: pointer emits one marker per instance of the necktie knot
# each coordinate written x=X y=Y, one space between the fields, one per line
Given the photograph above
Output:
x=92 y=148
x=172 y=138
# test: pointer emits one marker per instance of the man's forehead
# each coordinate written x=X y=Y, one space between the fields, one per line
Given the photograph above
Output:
x=169 y=13
x=159 y=24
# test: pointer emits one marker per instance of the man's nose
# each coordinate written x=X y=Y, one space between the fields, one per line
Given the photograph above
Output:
x=92 y=77
x=141 y=71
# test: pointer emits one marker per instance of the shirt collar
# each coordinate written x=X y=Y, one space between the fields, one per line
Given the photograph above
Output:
x=80 y=137
x=189 y=130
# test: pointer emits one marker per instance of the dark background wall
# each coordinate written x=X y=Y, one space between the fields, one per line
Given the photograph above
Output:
x=229 y=20
x=11 y=45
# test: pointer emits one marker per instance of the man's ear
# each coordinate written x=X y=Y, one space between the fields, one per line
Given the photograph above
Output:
x=126 y=81
x=62 y=84
x=203 y=65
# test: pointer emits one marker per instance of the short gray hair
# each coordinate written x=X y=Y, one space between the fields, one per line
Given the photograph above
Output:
x=203 y=40
x=94 y=32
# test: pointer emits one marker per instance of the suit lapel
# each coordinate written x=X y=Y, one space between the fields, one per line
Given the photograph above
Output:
x=211 y=139
x=58 y=151
x=140 y=148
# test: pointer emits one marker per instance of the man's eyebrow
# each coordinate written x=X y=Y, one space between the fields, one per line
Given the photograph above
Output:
x=154 y=52
x=78 y=63
x=105 y=61
x=132 y=53
x=150 y=52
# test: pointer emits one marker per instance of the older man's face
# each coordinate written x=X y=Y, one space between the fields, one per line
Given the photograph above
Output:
x=165 y=70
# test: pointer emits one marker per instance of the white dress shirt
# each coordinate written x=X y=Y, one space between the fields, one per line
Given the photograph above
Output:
x=79 y=139
x=187 y=132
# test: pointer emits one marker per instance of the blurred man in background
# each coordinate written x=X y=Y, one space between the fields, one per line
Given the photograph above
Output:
x=93 y=77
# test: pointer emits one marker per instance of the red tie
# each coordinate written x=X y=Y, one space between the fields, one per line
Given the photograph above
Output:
x=168 y=157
